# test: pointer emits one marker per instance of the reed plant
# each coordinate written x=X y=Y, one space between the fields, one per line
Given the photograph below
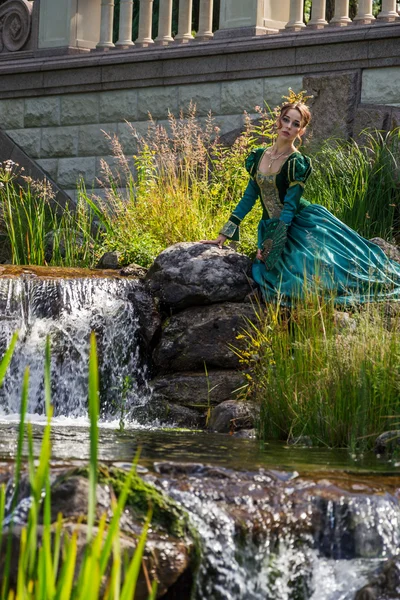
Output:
x=359 y=182
x=38 y=230
x=323 y=374
x=49 y=565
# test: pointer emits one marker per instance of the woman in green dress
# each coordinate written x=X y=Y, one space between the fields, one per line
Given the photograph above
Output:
x=302 y=247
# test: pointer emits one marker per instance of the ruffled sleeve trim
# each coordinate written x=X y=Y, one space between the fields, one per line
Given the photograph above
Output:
x=299 y=169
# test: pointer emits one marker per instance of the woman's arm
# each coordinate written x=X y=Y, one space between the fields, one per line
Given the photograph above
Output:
x=231 y=228
x=291 y=203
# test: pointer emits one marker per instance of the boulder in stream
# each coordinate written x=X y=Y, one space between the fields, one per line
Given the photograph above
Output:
x=232 y=416
x=192 y=274
x=385 y=585
x=204 y=335
x=197 y=390
x=387 y=442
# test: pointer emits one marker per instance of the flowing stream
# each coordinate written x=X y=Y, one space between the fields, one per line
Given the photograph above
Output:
x=275 y=522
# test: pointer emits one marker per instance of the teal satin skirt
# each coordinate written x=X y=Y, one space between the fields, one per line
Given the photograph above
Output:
x=325 y=257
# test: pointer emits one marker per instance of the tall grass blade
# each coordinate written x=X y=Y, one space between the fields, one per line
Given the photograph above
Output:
x=94 y=434
x=132 y=574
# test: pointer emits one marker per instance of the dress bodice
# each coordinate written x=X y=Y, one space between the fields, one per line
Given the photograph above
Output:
x=269 y=194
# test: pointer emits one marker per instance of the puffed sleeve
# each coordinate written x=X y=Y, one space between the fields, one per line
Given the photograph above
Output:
x=252 y=192
x=298 y=171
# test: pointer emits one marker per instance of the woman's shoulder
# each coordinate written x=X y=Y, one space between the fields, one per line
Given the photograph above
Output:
x=299 y=167
x=251 y=162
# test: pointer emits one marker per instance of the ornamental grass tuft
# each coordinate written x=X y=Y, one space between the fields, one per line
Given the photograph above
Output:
x=329 y=375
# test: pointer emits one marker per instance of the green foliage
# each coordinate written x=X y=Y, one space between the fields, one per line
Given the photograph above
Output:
x=313 y=374
x=183 y=187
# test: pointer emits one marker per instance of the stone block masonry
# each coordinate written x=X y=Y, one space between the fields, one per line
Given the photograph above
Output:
x=68 y=135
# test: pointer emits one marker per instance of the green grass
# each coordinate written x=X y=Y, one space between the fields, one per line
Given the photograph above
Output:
x=37 y=231
x=336 y=383
x=48 y=564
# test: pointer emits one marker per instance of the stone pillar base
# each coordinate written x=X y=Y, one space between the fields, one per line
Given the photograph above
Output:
x=364 y=20
x=239 y=32
x=388 y=18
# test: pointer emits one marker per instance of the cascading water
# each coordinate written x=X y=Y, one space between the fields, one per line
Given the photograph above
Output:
x=67 y=310
x=269 y=539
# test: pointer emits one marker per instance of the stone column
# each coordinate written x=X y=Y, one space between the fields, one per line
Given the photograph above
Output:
x=296 y=22
x=106 y=26
x=341 y=17
x=185 y=22
x=69 y=24
x=205 y=21
x=145 y=22
x=388 y=13
x=164 y=23
x=125 y=24
x=239 y=18
x=364 y=13
x=318 y=12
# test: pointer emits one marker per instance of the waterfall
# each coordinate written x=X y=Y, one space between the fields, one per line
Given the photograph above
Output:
x=67 y=310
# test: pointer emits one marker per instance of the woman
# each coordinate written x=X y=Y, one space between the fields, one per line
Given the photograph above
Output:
x=302 y=247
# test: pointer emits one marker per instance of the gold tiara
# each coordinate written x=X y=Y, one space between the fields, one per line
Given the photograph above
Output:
x=294 y=98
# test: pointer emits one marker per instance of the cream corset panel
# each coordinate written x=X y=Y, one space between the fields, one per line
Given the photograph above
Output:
x=269 y=195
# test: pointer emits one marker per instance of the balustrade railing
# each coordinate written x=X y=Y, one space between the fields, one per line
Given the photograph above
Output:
x=296 y=20
x=91 y=24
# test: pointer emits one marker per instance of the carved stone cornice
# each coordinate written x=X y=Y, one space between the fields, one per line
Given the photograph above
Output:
x=15 y=24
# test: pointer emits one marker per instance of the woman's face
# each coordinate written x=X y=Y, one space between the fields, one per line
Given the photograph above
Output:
x=289 y=125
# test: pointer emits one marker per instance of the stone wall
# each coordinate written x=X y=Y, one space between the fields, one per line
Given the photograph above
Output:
x=60 y=111
x=69 y=134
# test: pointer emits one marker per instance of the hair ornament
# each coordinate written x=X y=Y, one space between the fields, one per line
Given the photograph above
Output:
x=293 y=98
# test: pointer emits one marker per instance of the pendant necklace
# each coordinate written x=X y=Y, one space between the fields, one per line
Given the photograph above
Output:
x=273 y=159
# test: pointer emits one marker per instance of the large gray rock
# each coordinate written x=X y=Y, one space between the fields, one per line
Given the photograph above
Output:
x=148 y=315
x=391 y=251
x=196 y=390
x=386 y=583
x=203 y=335
x=336 y=94
x=192 y=274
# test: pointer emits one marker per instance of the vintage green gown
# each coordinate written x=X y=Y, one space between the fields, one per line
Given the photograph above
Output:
x=322 y=255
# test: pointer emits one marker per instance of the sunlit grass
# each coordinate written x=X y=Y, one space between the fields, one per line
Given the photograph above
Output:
x=316 y=373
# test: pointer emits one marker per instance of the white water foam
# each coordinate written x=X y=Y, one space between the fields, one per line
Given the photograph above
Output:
x=67 y=311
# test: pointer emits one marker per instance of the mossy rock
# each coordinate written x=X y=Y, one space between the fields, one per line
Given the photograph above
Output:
x=166 y=513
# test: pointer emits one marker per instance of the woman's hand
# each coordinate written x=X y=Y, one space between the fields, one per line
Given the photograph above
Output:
x=259 y=255
x=220 y=241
